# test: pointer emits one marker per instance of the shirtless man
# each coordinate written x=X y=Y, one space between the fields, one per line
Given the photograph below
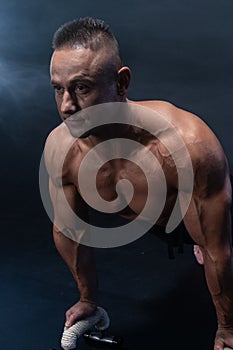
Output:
x=86 y=70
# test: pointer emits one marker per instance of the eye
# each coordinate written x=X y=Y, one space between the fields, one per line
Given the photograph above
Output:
x=58 y=89
x=81 y=89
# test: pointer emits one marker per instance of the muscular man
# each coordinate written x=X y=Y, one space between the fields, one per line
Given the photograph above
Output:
x=86 y=70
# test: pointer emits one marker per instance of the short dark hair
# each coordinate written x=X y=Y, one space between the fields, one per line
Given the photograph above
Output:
x=86 y=32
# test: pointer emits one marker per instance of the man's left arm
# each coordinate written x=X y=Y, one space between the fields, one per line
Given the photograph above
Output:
x=208 y=221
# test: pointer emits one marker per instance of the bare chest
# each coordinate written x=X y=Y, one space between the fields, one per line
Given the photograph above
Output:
x=121 y=185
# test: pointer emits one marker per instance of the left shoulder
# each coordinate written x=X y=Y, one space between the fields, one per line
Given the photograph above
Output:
x=197 y=135
x=209 y=162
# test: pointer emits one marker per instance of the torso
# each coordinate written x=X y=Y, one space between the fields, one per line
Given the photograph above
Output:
x=112 y=171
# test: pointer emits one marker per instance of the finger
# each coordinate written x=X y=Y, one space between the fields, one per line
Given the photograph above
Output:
x=219 y=344
x=70 y=320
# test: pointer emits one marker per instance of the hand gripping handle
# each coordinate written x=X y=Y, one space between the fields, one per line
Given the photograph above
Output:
x=71 y=334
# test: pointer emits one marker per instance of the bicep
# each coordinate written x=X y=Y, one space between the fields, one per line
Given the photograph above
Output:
x=70 y=211
x=208 y=220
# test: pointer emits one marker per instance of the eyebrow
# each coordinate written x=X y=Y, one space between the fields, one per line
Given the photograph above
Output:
x=76 y=79
x=53 y=82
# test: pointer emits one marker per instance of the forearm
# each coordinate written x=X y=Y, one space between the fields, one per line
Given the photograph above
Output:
x=85 y=274
x=81 y=262
x=219 y=276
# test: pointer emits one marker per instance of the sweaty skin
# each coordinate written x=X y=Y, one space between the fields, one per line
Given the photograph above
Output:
x=83 y=78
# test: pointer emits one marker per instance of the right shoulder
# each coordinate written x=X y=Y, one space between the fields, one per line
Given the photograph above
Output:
x=57 y=145
x=57 y=136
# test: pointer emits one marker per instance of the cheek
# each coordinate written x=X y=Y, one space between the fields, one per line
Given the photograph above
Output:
x=58 y=101
x=110 y=91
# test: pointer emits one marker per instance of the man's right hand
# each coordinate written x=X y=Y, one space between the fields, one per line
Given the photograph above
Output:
x=78 y=311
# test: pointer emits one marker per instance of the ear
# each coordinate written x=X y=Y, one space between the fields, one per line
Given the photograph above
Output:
x=124 y=75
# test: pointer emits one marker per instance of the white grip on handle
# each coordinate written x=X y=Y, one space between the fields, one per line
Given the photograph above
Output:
x=71 y=334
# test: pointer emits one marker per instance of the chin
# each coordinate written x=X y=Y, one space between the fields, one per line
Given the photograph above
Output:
x=84 y=135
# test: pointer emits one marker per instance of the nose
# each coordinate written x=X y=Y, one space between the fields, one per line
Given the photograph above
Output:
x=69 y=104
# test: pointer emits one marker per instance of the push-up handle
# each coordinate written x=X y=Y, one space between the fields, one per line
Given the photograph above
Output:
x=71 y=334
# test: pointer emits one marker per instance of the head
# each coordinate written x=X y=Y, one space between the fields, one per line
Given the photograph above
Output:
x=86 y=67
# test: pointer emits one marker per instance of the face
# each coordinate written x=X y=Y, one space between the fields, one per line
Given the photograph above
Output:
x=82 y=78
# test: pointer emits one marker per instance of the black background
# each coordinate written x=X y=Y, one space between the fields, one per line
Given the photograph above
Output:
x=180 y=51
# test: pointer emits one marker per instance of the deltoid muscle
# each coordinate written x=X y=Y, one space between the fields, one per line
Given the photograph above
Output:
x=71 y=334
